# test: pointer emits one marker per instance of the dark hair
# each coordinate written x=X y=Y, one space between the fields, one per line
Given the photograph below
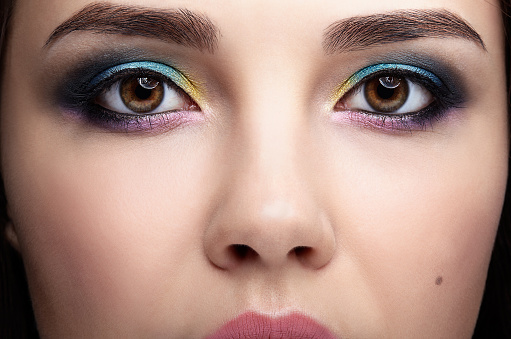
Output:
x=495 y=313
x=16 y=314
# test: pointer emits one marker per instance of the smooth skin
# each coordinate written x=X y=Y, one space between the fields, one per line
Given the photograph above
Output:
x=129 y=234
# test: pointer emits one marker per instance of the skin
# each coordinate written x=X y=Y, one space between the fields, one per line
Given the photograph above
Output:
x=127 y=234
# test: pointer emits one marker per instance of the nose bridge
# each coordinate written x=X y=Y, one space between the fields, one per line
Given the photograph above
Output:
x=272 y=115
x=268 y=162
x=269 y=148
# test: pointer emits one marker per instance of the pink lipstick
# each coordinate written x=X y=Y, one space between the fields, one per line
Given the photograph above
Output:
x=253 y=325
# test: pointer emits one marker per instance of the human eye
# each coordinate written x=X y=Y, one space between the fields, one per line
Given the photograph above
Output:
x=138 y=96
x=395 y=97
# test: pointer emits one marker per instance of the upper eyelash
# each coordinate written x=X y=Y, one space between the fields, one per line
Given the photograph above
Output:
x=424 y=77
x=143 y=67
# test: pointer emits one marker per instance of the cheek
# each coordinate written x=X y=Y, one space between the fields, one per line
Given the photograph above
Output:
x=106 y=228
x=433 y=245
x=419 y=221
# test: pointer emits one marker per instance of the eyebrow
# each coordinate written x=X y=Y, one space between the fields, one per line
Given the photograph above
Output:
x=361 y=32
x=180 y=26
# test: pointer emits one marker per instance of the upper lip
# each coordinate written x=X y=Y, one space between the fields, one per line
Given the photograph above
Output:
x=256 y=325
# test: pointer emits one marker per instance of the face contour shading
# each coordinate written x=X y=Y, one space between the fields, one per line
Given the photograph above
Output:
x=174 y=169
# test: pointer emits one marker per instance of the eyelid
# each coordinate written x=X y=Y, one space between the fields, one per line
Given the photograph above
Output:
x=366 y=72
x=169 y=72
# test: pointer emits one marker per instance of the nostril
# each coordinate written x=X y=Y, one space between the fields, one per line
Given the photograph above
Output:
x=301 y=251
x=242 y=252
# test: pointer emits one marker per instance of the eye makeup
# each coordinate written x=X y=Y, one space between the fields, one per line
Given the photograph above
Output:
x=143 y=66
x=387 y=68
x=447 y=94
x=78 y=96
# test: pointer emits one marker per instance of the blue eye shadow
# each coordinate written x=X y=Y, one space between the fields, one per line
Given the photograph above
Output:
x=141 y=66
x=390 y=68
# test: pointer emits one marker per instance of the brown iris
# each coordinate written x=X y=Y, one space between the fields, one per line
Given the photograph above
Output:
x=386 y=94
x=141 y=95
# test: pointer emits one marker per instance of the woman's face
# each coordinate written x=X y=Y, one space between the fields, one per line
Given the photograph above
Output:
x=172 y=165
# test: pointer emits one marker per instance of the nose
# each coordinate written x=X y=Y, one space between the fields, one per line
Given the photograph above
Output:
x=271 y=233
x=267 y=214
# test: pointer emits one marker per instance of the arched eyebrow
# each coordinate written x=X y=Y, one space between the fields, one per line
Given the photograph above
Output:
x=361 y=32
x=180 y=26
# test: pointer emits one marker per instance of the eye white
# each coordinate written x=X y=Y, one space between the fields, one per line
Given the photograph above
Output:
x=418 y=98
x=111 y=99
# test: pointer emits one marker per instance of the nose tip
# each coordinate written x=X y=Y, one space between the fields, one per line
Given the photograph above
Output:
x=277 y=236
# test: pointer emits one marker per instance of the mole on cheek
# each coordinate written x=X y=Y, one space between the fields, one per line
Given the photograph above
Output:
x=439 y=280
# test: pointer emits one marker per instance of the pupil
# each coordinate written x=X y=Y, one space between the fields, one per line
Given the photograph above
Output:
x=142 y=93
x=384 y=92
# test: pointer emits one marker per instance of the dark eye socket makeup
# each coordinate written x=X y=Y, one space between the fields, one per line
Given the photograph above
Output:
x=107 y=98
x=398 y=96
x=391 y=84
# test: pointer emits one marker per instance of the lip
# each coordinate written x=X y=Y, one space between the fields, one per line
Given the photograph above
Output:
x=255 y=325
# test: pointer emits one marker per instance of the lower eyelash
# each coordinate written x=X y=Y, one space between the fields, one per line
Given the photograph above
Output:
x=395 y=123
x=113 y=121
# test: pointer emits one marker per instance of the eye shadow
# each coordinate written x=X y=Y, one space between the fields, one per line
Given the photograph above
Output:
x=450 y=77
x=76 y=87
x=386 y=67
x=167 y=71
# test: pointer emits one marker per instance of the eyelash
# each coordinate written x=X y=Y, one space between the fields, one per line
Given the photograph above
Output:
x=83 y=100
x=443 y=99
